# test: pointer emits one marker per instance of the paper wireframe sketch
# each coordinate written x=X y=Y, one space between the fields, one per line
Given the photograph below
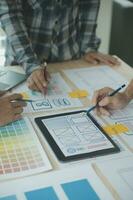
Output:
x=56 y=98
x=94 y=78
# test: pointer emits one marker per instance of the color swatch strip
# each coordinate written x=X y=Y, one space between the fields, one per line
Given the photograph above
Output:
x=76 y=190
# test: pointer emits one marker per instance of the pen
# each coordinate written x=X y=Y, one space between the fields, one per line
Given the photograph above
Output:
x=110 y=94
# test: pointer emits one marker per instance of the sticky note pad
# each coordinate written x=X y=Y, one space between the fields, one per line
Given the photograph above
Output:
x=78 y=94
x=115 y=129
x=25 y=95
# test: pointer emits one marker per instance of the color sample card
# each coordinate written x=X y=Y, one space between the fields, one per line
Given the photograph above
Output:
x=20 y=150
x=43 y=193
x=13 y=197
x=74 y=183
x=80 y=189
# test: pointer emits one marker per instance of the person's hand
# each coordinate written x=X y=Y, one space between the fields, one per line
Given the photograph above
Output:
x=108 y=103
x=2 y=93
x=11 y=108
x=38 y=80
x=100 y=58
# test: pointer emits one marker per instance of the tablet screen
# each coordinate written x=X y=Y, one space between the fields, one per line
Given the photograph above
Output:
x=76 y=134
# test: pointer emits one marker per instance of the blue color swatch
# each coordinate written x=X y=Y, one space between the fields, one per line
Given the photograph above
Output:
x=42 y=194
x=79 y=190
x=13 y=197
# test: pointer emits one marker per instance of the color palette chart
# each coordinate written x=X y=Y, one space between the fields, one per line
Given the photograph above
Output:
x=76 y=183
x=20 y=151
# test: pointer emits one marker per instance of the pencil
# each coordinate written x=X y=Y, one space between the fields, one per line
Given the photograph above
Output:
x=110 y=94
x=45 y=71
x=45 y=76
x=25 y=100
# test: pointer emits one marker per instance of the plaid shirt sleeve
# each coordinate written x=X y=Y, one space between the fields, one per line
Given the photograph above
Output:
x=11 y=18
x=88 y=23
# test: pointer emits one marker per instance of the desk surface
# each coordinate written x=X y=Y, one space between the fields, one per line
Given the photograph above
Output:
x=123 y=69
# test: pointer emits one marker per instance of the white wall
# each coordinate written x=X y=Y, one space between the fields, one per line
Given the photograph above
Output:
x=104 y=24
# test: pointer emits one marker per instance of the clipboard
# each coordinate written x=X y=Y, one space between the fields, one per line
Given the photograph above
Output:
x=75 y=135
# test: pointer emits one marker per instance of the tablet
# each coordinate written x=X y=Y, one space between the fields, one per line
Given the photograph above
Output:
x=10 y=79
x=75 y=135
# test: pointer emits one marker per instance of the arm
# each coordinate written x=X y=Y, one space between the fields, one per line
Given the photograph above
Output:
x=12 y=21
x=88 y=23
x=89 y=43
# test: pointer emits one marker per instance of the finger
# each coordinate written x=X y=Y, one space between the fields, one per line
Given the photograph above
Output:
x=100 y=58
x=104 y=111
x=113 y=60
x=42 y=80
x=15 y=97
x=18 y=110
x=97 y=111
x=106 y=59
x=2 y=93
x=99 y=94
x=32 y=85
x=95 y=97
x=17 y=117
x=48 y=76
x=105 y=101
x=91 y=60
x=105 y=91
x=18 y=104
x=38 y=84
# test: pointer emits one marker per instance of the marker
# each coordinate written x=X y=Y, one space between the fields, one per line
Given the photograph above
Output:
x=109 y=95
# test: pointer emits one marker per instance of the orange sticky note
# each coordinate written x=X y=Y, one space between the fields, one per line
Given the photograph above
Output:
x=78 y=94
x=115 y=129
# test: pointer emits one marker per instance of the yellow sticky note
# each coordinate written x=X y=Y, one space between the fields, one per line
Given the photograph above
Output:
x=25 y=95
x=78 y=94
x=115 y=129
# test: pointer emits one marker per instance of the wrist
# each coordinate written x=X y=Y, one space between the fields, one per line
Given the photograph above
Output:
x=129 y=91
